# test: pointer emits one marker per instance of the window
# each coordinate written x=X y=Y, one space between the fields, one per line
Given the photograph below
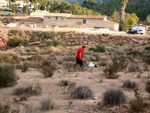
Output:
x=56 y=18
x=62 y=18
x=49 y=17
x=84 y=21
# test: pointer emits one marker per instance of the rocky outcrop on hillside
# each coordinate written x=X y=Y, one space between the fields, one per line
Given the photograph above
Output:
x=3 y=39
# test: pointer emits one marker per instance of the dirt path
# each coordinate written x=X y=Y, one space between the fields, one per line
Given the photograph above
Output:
x=78 y=30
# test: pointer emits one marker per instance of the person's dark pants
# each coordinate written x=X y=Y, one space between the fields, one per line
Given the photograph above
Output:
x=78 y=62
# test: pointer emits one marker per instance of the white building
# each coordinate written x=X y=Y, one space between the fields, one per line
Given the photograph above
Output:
x=21 y=4
x=4 y=4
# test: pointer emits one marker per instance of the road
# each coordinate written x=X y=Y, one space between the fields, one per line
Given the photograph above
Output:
x=78 y=30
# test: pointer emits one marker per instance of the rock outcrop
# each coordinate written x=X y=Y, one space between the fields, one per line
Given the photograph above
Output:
x=3 y=39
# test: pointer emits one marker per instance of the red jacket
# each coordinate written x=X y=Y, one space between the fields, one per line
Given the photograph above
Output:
x=78 y=53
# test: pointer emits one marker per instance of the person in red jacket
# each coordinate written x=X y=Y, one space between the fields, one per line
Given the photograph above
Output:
x=79 y=56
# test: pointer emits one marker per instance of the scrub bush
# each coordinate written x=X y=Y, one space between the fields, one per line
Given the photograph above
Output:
x=98 y=48
x=25 y=67
x=147 y=87
x=28 y=90
x=134 y=68
x=8 y=75
x=82 y=92
x=48 y=68
x=47 y=104
x=137 y=105
x=130 y=84
x=55 y=43
x=114 y=97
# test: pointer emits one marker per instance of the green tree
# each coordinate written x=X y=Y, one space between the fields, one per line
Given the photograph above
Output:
x=42 y=7
x=43 y=4
x=25 y=10
x=16 y=42
x=147 y=21
x=130 y=19
x=13 y=8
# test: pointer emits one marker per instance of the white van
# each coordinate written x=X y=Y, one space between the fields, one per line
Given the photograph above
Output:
x=140 y=30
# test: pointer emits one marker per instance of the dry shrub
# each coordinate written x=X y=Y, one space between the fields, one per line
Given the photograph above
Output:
x=147 y=87
x=47 y=104
x=119 y=61
x=8 y=75
x=111 y=71
x=57 y=50
x=48 y=68
x=137 y=105
x=118 y=64
x=82 y=92
x=69 y=58
x=134 y=68
x=28 y=90
x=114 y=97
x=130 y=84
x=55 y=43
x=5 y=108
x=23 y=98
x=30 y=109
x=64 y=83
x=71 y=86
x=67 y=85
x=25 y=67
x=9 y=58
x=68 y=65
x=121 y=43
x=146 y=59
x=36 y=58
x=98 y=48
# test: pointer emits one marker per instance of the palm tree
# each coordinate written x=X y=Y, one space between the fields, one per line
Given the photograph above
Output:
x=123 y=4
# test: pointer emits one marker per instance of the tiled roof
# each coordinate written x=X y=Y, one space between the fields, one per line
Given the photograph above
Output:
x=34 y=19
x=58 y=14
x=111 y=22
x=87 y=16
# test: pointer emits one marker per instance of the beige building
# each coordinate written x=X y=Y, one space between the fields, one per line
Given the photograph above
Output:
x=79 y=21
x=32 y=22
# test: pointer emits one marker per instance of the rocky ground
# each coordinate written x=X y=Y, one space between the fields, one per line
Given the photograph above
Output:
x=95 y=77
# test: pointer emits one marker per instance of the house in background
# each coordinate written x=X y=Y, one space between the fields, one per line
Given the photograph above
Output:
x=4 y=4
x=79 y=21
x=21 y=4
x=32 y=22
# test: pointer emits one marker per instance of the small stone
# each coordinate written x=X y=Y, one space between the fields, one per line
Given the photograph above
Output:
x=95 y=98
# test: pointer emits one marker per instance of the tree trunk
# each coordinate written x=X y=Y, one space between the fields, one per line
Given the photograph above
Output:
x=122 y=14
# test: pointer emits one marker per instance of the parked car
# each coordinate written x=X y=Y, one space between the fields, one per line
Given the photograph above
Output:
x=132 y=31
x=137 y=30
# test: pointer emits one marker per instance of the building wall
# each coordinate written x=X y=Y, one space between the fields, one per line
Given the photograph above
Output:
x=27 y=23
x=90 y=23
x=3 y=3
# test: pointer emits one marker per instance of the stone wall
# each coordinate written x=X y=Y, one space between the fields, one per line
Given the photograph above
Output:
x=78 y=23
